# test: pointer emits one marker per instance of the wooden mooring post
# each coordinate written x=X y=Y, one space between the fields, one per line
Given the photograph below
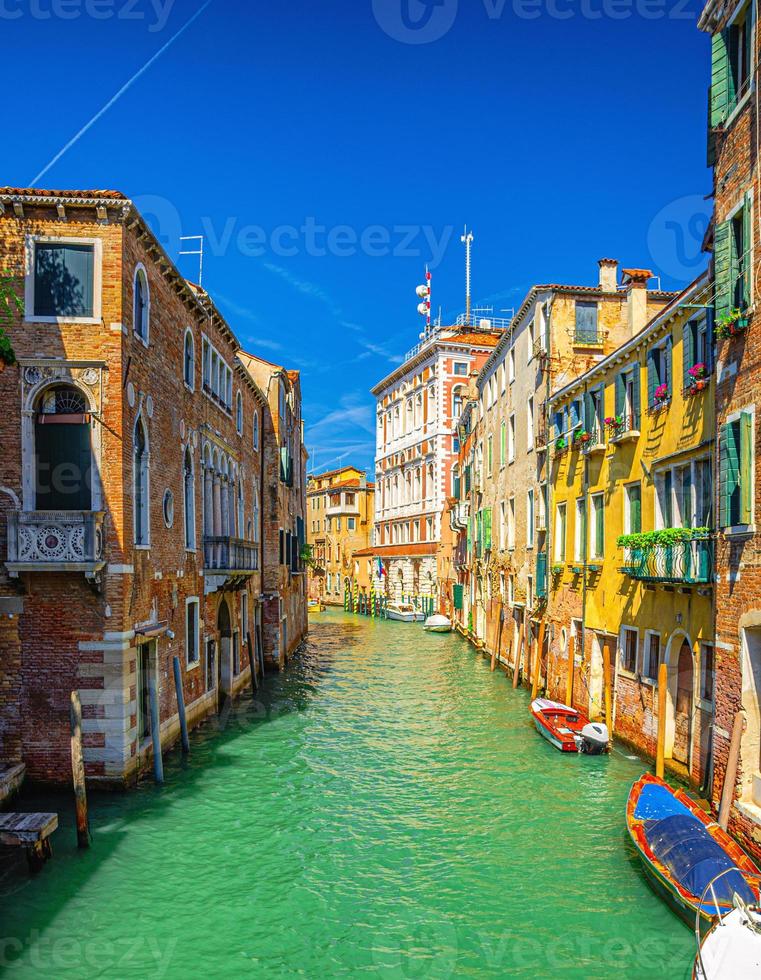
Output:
x=518 y=653
x=78 y=771
x=569 y=670
x=730 y=776
x=158 y=762
x=537 y=664
x=252 y=658
x=660 y=745
x=608 y=689
x=181 y=705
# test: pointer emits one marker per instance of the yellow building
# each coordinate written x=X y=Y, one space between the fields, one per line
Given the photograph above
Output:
x=340 y=511
x=631 y=442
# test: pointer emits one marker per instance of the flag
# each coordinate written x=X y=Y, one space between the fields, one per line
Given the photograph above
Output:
x=381 y=569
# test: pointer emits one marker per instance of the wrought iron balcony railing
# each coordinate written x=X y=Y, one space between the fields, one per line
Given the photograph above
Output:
x=683 y=562
x=50 y=540
x=230 y=555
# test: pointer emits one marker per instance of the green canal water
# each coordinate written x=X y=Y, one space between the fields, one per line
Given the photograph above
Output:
x=386 y=808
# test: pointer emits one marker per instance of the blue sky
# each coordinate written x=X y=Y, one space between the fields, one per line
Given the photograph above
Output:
x=328 y=150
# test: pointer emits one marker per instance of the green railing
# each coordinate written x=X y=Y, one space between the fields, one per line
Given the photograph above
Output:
x=685 y=562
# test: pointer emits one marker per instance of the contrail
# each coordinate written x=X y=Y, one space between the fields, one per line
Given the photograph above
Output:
x=119 y=94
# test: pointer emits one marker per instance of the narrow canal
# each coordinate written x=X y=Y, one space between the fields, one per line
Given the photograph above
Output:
x=388 y=809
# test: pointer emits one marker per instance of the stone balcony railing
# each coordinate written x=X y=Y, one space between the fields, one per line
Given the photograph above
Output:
x=55 y=541
x=230 y=556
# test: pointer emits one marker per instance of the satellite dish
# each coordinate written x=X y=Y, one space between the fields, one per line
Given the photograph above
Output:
x=423 y=291
x=422 y=309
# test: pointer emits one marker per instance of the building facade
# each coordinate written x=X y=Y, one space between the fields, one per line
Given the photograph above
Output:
x=418 y=405
x=340 y=510
x=630 y=547
x=734 y=242
x=133 y=490
x=557 y=333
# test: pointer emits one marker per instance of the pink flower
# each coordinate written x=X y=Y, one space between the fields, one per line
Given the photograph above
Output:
x=661 y=392
x=697 y=370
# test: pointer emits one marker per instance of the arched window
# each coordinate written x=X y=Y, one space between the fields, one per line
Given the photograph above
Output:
x=255 y=531
x=256 y=430
x=140 y=484
x=239 y=413
x=239 y=501
x=62 y=450
x=456 y=402
x=190 y=501
x=189 y=360
x=142 y=305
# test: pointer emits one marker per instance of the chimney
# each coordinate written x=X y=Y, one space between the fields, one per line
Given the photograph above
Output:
x=608 y=275
x=635 y=281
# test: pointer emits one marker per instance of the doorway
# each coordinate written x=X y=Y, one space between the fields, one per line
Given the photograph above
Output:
x=750 y=745
x=145 y=668
x=683 y=705
x=225 y=659
x=63 y=454
x=596 y=679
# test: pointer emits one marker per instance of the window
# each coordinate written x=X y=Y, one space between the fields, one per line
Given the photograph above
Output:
x=239 y=413
x=596 y=530
x=530 y=425
x=580 y=529
x=65 y=280
x=211 y=665
x=627 y=397
x=585 y=331
x=168 y=508
x=560 y=528
x=217 y=376
x=628 y=642
x=457 y=402
x=502 y=442
x=236 y=653
x=192 y=654
x=489 y=454
x=63 y=458
x=530 y=519
x=651 y=656
x=460 y=367
x=141 y=305
x=529 y=591
x=697 y=348
x=502 y=526
x=189 y=360
x=140 y=459
x=256 y=432
x=707 y=668
x=633 y=509
x=351 y=523
x=736 y=464
x=511 y=439
x=659 y=374
x=511 y=365
x=593 y=413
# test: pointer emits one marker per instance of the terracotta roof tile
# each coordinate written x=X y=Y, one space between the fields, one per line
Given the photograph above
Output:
x=40 y=192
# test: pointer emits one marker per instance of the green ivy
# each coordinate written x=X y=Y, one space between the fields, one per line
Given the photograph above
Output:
x=666 y=536
x=10 y=303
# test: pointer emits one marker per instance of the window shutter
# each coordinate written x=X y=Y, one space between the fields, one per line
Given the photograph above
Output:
x=457 y=594
x=590 y=422
x=667 y=374
x=720 y=78
x=574 y=413
x=723 y=472
x=635 y=396
x=652 y=378
x=688 y=349
x=487 y=528
x=620 y=396
x=729 y=472
x=635 y=511
x=709 y=338
x=745 y=262
x=599 y=523
x=722 y=262
x=470 y=534
x=746 y=467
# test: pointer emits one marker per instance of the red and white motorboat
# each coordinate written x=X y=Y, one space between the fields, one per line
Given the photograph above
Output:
x=568 y=729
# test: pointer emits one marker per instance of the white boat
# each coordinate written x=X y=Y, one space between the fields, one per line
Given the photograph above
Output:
x=438 y=624
x=732 y=946
x=404 y=612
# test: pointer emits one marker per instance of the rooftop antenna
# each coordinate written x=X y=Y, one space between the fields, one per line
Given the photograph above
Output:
x=424 y=307
x=198 y=252
x=467 y=239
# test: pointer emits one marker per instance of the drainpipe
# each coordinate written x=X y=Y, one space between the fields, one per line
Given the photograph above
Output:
x=585 y=546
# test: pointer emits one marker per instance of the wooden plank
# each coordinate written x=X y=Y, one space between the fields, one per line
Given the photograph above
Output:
x=26 y=828
x=78 y=771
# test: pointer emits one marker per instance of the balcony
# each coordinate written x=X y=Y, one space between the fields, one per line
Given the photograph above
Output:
x=594 y=444
x=623 y=428
x=583 y=336
x=681 y=563
x=55 y=541
x=459 y=514
x=230 y=556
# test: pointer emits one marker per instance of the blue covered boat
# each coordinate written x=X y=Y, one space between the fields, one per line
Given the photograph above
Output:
x=683 y=851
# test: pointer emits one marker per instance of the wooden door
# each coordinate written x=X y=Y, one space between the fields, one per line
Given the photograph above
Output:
x=683 y=716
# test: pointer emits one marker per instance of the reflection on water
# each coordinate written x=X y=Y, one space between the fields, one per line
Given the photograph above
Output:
x=385 y=807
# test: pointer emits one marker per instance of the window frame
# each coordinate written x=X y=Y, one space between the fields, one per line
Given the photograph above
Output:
x=144 y=339
x=190 y=385
x=29 y=276
x=622 y=651
x=644 y=657
x=560 y=541
x=594 y=554
x=193 y=601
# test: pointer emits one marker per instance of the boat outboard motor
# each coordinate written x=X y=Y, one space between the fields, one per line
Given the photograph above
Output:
x=594 y=737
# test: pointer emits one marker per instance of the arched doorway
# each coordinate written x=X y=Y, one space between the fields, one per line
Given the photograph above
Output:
x=225 y=677
x=63 y=451
x=685 y=673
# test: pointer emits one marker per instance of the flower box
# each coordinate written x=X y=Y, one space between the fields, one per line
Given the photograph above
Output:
x=732 y=323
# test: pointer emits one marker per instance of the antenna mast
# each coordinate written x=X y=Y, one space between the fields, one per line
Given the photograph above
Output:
x=467 y=240
x=198 y=252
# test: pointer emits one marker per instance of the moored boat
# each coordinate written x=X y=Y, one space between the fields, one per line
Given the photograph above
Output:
x=732 y=946
x=404 y=612
x=438 y=624
x=568 y=729
x=683 y=850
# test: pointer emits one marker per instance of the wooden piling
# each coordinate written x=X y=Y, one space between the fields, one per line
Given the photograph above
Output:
x=518 y=653
x=158 y=762
x=78 y=771
x=252 y=663
x=569 y=670
x=181 y=705
x=537 y=665
x=608 y=689
x=730 y=776
x=660 y=749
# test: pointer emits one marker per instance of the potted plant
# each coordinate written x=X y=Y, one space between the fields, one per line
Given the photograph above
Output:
x=560 y=444
x=661 y=395
x=698 y=378
x=557 y=569
x=615 y=423
x=732 y=323
x=580 y=436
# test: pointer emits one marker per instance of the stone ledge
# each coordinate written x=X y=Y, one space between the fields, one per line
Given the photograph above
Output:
x=10 y=780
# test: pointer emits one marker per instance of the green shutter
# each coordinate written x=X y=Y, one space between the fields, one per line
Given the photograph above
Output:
x=590 y=422
x=599 y=524
x=652 y=378
x=720 y=79
x=635 y=510
x=688 y=350
x=635 y=396
x=487 y=528
x=457 y=593
x=746 y=263
x=746 y=467
x=470 y=534
x=729 y=473
x=620 y=394
x=722 y=266
x=667 y=373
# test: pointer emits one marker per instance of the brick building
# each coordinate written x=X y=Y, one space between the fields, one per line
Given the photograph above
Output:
x=137 y=497
x=340 y=509
x=734 y=241
x=418 y=405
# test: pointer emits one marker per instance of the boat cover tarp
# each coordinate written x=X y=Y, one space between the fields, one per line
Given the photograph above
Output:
x=682 y=843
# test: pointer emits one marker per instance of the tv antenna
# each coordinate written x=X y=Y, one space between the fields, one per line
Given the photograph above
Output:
x=467 y=239
x=198 y=251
